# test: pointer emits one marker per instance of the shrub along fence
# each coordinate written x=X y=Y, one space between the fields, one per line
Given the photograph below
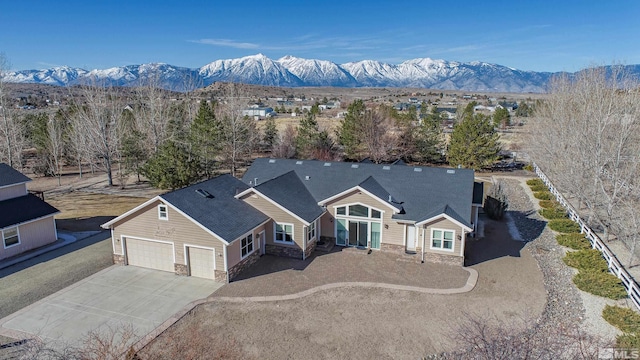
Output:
x=613 y=263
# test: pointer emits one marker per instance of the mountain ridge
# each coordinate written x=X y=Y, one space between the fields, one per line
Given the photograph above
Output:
x=291 y=71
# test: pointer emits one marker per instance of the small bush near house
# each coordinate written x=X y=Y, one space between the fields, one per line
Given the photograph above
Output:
x=564 y=226
x=543 y=195
x=541 y=187
x=589 y=259
x=623 y=318
x=554 y=213
x=575 y=241
x=535 y=182
x=628 y=341
x=600 y=283
x=548 y=204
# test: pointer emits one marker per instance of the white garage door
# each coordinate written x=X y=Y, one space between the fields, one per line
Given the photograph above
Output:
x=150 y=254
x=201 y=263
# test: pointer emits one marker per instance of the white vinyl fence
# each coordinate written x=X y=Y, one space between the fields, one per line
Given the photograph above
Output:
x=614 y=264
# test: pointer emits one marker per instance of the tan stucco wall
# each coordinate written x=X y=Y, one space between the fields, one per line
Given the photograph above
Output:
x=179 y=230
x=13 y=191
x=32 y=235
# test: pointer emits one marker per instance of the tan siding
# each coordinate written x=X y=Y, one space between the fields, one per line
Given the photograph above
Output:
x=392 y=235
x=326 y=225
x=234 y=252
x=278 y=215
x=446 y=225
x=32 y=235
x=178 y=229
x=13 y=191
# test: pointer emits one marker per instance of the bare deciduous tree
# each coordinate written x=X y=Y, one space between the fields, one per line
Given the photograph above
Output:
x=285 y=145
x=586 y=137
x=152 y=109
x=11 y=130
x=239 y=135
x=95 y=124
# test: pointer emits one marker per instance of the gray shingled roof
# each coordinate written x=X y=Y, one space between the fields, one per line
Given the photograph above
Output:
x=22 y=209
x=419 y=191
x=221 y=213
x=9 y=175
x=288 y=191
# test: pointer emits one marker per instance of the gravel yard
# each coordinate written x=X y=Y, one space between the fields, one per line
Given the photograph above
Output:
x=567 y=304
x=36 y=278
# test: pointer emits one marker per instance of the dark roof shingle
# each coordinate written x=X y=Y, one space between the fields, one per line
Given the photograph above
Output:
x=289 y=192
x=10 y=176
x=22 y=209
x=419 y=191
x=221 y=213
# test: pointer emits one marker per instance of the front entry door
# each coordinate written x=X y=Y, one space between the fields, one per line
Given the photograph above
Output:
x=411 y=238
x=262 y=243
x=341 y=232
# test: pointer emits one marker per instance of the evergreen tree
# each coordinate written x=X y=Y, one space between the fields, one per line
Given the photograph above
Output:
x=171 y=167
x=307 y=137
x=429 y=138
x=474 y=142
x=204 y=138
x=501 y=118
x=270 y=136
x=350 y=128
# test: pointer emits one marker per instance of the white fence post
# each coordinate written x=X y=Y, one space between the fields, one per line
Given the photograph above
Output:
x=615 y=266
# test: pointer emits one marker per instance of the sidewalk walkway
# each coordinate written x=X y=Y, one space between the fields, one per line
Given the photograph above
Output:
x=64 y=239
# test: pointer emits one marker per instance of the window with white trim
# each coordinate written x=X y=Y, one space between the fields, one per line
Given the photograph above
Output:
x=246 y=245
x=442 y=239
x=358 y=210
x=10 y=237
x=163 y=212
x=284 y=233
x=311 y=231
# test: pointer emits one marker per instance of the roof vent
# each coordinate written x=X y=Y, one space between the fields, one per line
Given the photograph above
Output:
x=327 y=164
x=355 y=166
x=298 y=162
x=417 y=169
x=386 y=167
x=271 y=161
x=204 y=193
x=390 y=198
x=307 y=177
x=451 y=171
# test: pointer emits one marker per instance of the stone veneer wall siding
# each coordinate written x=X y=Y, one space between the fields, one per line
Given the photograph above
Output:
x=288 y=251
x=118 y=259
x=181 y=269
x=243 y=264
x=220 y=276
x=310 y=248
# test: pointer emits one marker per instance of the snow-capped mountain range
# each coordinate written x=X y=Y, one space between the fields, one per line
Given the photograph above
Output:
x=291 y=71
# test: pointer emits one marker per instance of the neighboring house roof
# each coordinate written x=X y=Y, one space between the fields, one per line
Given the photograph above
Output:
x=418 y=191
x=289 y=192
x=221 y=212
x=10 y=176
x=22 y=209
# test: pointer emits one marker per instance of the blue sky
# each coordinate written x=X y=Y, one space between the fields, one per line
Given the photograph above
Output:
x=528 y=35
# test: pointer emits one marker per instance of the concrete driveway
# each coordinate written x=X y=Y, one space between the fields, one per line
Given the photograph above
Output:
x=116 y=296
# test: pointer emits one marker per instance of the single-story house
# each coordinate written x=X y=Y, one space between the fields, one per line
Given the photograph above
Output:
x=27 y=221
x=216 y=228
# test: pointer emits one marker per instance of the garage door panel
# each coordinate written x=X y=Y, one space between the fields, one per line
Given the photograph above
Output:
x=201 y=262
x=150 y=254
